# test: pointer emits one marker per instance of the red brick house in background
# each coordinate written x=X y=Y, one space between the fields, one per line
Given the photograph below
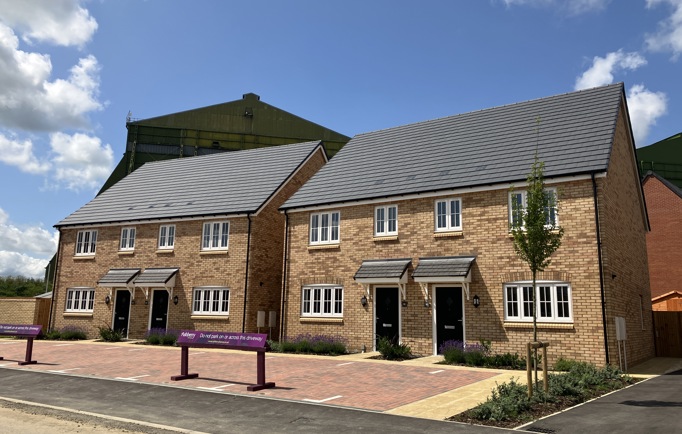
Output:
x=404 y=234
x=189 y=243
x=664 y=241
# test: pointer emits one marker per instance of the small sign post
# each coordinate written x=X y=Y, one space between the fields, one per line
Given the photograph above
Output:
x=233 y=341
x=29 y=332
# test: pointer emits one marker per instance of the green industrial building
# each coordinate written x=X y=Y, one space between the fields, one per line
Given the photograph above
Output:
x=664 y=158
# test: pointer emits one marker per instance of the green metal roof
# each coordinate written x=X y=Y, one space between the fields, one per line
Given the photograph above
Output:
x=664 y=158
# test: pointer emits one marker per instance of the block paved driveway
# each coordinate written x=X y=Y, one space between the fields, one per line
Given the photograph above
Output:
x=339 y=381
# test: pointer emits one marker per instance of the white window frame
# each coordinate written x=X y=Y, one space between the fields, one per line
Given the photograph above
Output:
x=322 y=301
x=80 y=299
x=524 y=203
x=127 y=242
x=518 y=305
x=215 y=235
x=325 y=233
x=449 y=225
x=86 y=242
x=167 y=237
x=383 y=220
x=211 y=301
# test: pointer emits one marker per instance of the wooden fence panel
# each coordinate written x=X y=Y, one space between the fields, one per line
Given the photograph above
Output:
x=668 y=333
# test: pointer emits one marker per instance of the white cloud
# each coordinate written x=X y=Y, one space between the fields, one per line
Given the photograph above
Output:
x=30 y=101
x=645 y=108
x=81 y=161
x=60 y=22
x=669 y=35
x=25 y=251
x=20 y=154
x=571 y=7
x=602 y=69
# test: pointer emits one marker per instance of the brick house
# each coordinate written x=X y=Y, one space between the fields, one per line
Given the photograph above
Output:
x=405 y=234
x=190 y=243
x=664 y=241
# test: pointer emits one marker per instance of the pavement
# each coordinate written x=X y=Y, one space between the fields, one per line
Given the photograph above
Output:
x=312 y=392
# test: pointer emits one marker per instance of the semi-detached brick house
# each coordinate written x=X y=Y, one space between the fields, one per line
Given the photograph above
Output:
x=405 y=234
x=664 y=241
x=192 y=243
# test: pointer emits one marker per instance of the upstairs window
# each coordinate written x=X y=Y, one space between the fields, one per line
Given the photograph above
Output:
x=518 y=202
x=215 y=236
x=166 y=236
x=86 y=242
x=448 y=215
x=386 y=220
x=324 y=227
x=127 y=239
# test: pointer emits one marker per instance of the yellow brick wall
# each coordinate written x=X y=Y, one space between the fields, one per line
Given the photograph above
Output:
x=20 y=310
x=626 y=272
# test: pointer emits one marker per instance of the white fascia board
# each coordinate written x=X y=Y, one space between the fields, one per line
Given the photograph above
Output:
x=149 y=221
x=453 y=192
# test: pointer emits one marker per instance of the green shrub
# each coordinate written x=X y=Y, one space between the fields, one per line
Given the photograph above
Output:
x=169 y=338
x=159 y=336
x=52 y=335
x=311 y=344
x=110 y=335
x=506 y=360
x=72 y=333
x=507 y=401
x=390 y=350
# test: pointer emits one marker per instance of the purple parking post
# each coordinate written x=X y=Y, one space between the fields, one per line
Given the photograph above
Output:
x=28 y=331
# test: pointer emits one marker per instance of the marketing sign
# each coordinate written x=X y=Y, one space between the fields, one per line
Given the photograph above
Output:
x=20 y=329
x=198 y=337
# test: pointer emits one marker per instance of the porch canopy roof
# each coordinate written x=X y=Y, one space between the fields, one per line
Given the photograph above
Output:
x=118 y=278
x=444 y=269
x=383 y=271
x=157 y=277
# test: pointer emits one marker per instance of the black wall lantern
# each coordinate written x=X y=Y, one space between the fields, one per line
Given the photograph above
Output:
x=363 y=300
x=175 y=300
x=477 y=301
x=107 y=299
x=404 y=303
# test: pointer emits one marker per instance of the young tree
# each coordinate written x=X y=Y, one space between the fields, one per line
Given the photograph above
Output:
x=535 y=231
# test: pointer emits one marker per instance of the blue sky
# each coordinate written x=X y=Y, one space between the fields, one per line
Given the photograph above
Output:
x=71 y=70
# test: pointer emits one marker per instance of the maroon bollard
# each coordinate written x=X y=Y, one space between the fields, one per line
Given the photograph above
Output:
x=29 y=353
x=28 y=331
x=260 y=374
x=184 y=366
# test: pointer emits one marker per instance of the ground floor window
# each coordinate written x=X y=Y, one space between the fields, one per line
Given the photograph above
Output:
x=80 y=299
x=553 y=301
x=322 y=301
x=211 y=301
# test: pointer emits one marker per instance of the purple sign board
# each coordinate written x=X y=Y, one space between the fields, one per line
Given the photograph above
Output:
x=20 y=330
x=198 y=337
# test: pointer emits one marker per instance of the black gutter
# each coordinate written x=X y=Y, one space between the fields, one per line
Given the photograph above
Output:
x=601 y=270
x=246 y=276
x=54 y=281
x=284 y=276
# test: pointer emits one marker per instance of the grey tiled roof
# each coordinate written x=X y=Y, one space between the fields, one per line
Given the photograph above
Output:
x=155 y=276
x=227 y=183
x=497 y=145
x=444 y=266
x=118 y=276
x=382 y=268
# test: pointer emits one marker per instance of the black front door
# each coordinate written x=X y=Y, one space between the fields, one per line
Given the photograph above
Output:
x=122 y=311
x=387 y=307
x=159 y=310
x=449 y=324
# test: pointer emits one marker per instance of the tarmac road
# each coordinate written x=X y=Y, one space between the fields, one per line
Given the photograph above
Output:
x=206 y=411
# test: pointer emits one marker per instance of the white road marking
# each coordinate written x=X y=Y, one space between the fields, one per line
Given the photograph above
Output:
x=194 y=354
x=218 y=388
x=8 y=343
x=62 y=345
x=347 y=363
x=112 y=348
x=62 y=370
x=437 y=372
x=319 y=401
x=132 y=378
x=137 y=349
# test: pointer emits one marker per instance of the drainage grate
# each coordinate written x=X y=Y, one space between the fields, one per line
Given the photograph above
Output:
x=541 y=430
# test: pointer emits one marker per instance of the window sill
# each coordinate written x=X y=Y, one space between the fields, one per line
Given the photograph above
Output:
x=385 y=238
x=84 y=258
x=211 y=317
x=126 y=252
x=448 y=234
x=541 y=325
x=79 y=314
x=323 y=246
x=165 y=251
x=314 y=319
x=212 y=252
